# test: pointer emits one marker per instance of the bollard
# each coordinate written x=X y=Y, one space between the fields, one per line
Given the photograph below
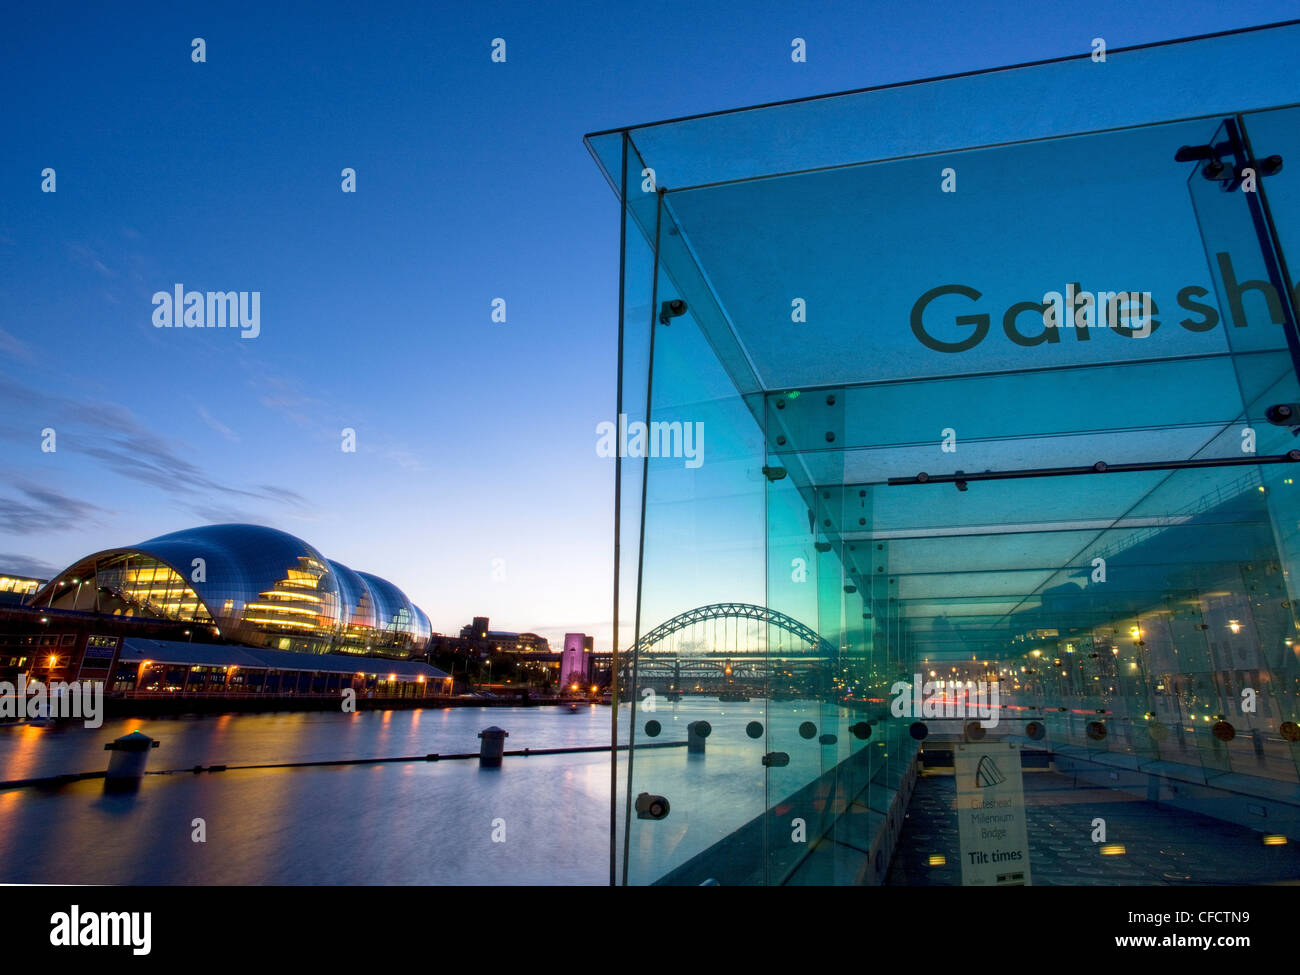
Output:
x=493 y=744
x=696 y=732
x=127 y=763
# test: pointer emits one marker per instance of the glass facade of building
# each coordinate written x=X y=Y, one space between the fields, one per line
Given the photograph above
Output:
x=970 y=447
x=256 y=585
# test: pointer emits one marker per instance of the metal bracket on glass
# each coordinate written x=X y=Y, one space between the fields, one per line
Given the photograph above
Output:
x=1215 y=168
x=1101 y=467
x=671 y=309
x=651 y=807
x=1284 y=415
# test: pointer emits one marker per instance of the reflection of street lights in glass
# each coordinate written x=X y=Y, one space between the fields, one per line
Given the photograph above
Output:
x=1234 y=626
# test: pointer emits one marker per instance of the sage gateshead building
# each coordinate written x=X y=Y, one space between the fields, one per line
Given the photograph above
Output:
x=994 y=541
x=249 y=584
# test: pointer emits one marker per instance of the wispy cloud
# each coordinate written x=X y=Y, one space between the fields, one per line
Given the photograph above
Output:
x=111 y=435
x=217 y=425
x=87 y=257
x=399 y=455
x=285 y=396
x=26 y=565
x=42 y=509
x=150 y=460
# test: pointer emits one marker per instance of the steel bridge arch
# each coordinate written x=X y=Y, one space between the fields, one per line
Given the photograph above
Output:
x=749 y=611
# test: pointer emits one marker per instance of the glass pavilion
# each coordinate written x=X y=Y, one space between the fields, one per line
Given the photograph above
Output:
x=958 y=556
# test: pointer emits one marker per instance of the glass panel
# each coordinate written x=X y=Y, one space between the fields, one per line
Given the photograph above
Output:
x=1252 y=624
x=1132 y=87
x=702 y=547
x=1277 y=133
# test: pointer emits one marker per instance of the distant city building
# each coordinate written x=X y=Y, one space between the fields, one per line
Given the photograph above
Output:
x=533 y=660
x=14 y=589
x=576 y=660
x=478 y=636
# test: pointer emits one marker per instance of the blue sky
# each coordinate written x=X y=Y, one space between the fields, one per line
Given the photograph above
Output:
x=475 y=440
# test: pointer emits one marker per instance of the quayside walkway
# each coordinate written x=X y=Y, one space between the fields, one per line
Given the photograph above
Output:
x=1146 y=842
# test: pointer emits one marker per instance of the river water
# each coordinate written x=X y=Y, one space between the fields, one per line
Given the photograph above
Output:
x=537 y=820
x=403 y=823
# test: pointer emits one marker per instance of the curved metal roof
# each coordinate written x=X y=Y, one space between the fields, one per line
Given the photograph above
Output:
x=249 y=571
x=358 y=602
x=395 y=613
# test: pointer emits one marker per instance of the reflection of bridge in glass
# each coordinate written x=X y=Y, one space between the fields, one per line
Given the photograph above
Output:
x=731 y=646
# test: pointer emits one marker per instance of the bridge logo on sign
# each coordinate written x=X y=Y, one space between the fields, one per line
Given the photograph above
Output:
x=987 y=773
